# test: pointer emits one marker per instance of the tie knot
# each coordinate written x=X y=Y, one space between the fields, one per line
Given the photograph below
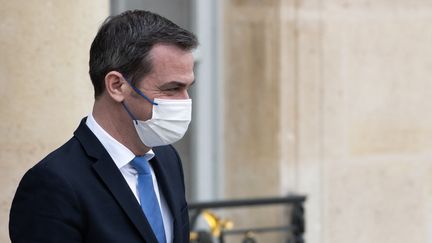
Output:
x=141 y=165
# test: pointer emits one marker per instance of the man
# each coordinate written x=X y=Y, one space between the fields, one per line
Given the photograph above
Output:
x=118 y=179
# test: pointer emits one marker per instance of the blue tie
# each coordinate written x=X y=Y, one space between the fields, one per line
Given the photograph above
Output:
x=148 y=199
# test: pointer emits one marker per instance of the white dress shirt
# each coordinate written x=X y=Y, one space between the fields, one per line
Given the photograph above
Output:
x=121 y=157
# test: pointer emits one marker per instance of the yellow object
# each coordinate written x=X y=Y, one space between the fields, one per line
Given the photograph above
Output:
x=193 y=236
x=217 y=224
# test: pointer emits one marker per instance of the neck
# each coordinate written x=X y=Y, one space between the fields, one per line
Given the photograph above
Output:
x=112 y=117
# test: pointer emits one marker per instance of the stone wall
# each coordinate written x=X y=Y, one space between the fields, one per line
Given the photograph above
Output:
x=332 y=98
x=45 y=89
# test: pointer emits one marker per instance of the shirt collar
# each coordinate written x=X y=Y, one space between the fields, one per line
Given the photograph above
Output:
x=118 y=152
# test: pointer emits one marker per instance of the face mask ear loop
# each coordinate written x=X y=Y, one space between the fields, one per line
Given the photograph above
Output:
x=130 y=113
x=141 y=93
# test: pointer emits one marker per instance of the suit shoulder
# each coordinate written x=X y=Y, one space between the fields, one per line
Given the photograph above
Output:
x=45 y=203
x=64 y=160
x=68 y=151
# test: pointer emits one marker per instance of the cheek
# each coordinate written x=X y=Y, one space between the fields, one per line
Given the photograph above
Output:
x=142 y=110
x=146 y=111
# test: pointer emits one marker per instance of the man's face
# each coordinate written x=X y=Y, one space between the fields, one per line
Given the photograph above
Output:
x=170 y=78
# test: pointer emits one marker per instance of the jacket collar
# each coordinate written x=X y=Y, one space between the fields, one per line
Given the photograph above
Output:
x=110 y=175
x=159 y=164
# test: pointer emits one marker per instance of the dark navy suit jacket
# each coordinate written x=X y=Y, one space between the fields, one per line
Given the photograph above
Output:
x=77 y=194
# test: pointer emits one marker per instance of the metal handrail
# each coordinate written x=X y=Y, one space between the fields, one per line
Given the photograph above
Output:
x=297 y=226
x=292 y=199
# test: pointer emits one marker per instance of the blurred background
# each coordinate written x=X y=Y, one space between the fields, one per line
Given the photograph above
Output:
x=330 y=99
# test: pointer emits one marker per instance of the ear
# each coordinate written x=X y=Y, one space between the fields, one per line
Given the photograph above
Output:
x=115 y=86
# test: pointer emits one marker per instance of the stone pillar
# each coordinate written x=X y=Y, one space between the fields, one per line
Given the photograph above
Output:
x=46 y=89
x=252 y=102
x=302 y=108
x=356 y=121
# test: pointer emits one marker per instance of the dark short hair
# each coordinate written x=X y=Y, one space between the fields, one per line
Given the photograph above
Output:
x=124 y=41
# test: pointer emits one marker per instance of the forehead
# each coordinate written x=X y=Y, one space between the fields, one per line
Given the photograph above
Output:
x=169 y=57
x=170 y=64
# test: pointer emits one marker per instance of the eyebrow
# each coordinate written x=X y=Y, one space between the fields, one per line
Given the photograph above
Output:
x=176 y=83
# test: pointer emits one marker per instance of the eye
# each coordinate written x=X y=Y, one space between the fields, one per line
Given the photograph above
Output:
x=173 y=89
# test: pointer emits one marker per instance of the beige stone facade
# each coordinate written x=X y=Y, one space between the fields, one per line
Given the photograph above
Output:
x=332 y=99
x=252 y=120
x=328 y=98
x=45 y=89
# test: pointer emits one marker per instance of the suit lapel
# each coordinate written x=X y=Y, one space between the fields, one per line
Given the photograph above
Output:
x=113 y=179
x=115 y=182
x=159 y=163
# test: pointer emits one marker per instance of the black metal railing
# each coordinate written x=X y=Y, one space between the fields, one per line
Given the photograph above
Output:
x=294 y=228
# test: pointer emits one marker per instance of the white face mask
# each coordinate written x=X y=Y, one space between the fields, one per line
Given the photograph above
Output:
x=169 y=122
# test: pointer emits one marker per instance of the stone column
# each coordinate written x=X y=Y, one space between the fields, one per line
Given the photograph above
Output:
x=45 y=87
x=252 y=102
x=358 y=124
